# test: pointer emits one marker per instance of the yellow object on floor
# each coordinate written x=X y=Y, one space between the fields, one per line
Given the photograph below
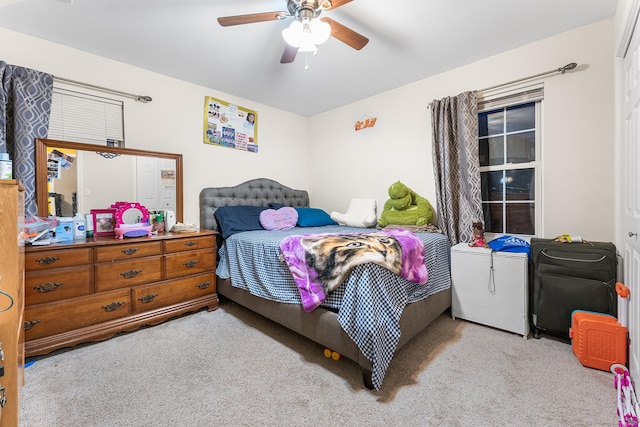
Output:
x=332 y=354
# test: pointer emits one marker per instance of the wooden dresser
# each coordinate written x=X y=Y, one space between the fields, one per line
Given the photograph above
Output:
x=11 y=299
x=89 y=290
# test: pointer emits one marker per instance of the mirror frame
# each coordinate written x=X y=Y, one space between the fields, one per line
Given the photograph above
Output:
x=41 y=145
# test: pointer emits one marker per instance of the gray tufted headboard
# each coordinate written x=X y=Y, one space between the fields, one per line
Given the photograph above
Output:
x=256 y=192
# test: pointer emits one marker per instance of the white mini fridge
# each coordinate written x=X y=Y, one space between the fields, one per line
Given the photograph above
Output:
x=491 y=288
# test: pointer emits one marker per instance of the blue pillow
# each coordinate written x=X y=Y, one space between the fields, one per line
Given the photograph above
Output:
x=313 y=217
x=234 y=219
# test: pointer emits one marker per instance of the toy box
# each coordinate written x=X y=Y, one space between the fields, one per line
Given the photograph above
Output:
x=598 y=340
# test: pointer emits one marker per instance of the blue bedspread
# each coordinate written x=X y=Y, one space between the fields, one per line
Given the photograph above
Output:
x=369 y=302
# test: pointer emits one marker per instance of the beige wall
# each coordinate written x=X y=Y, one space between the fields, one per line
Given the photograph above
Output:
x=577 y=132
x=173 y=121
x=325 y=154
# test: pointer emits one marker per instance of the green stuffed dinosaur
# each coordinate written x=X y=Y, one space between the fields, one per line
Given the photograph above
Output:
x=405 y=207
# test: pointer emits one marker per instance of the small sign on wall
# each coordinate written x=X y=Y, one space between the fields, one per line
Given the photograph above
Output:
x=366 y=122
x=229 y=125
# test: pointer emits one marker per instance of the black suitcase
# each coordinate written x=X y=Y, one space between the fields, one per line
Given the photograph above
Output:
x=567 y=277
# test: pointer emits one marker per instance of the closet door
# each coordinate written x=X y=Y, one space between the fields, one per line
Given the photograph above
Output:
x=630 y=181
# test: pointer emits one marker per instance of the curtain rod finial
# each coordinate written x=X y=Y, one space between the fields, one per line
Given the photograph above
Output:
x=568 y=67
x=144 y=98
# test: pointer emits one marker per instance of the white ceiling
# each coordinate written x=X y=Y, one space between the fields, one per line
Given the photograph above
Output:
x=409 y=41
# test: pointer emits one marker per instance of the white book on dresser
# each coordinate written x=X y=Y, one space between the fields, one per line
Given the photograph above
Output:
x=490 y=288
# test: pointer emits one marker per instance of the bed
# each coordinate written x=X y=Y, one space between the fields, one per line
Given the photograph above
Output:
x=345 y=323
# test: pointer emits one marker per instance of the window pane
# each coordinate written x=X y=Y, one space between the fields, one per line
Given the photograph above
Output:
x=520 y=184
x=493 y=221
x=491 y=123
x=492 y=151
x=520 y=218
x=507 y=145
x=491 y=183
x=521 y=147
x=521 y=117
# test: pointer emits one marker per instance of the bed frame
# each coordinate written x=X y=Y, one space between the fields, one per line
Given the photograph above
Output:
x=320 y=325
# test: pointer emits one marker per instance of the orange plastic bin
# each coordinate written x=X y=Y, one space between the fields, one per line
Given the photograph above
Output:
x=598 y=340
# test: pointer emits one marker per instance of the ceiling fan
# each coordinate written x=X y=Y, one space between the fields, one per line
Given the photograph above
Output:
x=307 y=23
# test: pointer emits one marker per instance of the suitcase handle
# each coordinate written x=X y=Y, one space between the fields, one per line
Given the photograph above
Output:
x=544 y=252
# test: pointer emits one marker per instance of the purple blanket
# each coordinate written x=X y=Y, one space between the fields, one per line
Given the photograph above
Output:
x=320 y=262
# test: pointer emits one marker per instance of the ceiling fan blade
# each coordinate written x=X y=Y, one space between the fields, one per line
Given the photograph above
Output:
x=337 y=3
x=346 y=35
x=289 y=54
x=226 y=21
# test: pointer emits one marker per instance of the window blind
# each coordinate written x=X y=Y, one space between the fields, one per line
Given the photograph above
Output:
x=505 y=98
x=79 y=117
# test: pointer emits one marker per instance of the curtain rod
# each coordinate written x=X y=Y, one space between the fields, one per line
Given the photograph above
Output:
x=562 y=70
x=139 y=98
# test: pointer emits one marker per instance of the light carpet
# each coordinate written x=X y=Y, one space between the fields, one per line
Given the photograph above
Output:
x=233 y=367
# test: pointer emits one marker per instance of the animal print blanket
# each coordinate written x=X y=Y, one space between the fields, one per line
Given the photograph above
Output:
x=320 y=262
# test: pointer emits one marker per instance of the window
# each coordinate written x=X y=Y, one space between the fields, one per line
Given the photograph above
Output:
x=79 y=117
x=508 y=140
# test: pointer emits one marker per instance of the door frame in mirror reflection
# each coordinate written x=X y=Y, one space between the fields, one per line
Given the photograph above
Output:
x=43 y=146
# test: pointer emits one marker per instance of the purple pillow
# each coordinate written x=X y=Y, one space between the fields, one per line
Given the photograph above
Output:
x=281 y=219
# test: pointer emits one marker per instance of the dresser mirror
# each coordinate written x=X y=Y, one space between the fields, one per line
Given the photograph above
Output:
x=75 y=177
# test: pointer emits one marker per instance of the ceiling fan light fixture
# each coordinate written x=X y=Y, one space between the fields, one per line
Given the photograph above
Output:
x=307 y=34
x=293 y=35
x=320 y=31
x=308 y=46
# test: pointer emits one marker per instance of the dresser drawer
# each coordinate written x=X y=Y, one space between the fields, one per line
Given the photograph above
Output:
x=54 y=285
x=53 y=318
x=184 y=263
x=150 y=297
x=120 y=274
x=41 y=260
x=127 y=251
x=189 y=244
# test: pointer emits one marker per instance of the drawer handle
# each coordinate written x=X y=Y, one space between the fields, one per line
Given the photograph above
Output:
x=147 y=298
x=47 y=260
x=191 y=263
x=190 y=243
x=113 y=306
x=48 y=287
x=204 y=285
x=28 y=324
x=129 y=251
x=130 y=274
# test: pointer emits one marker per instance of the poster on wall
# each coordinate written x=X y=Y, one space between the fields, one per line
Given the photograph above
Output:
x=229 y=125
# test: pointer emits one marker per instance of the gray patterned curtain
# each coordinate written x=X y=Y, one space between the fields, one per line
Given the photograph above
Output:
x=456 y=165
x=25 y=107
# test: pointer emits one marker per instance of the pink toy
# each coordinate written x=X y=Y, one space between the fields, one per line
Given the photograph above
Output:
x=627 y=402
x=132 y=220
x=478 y=235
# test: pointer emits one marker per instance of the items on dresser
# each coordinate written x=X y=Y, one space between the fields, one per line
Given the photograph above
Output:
x=131 y=220
x=79 y=227
x=91 y=290
x=64 y=229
